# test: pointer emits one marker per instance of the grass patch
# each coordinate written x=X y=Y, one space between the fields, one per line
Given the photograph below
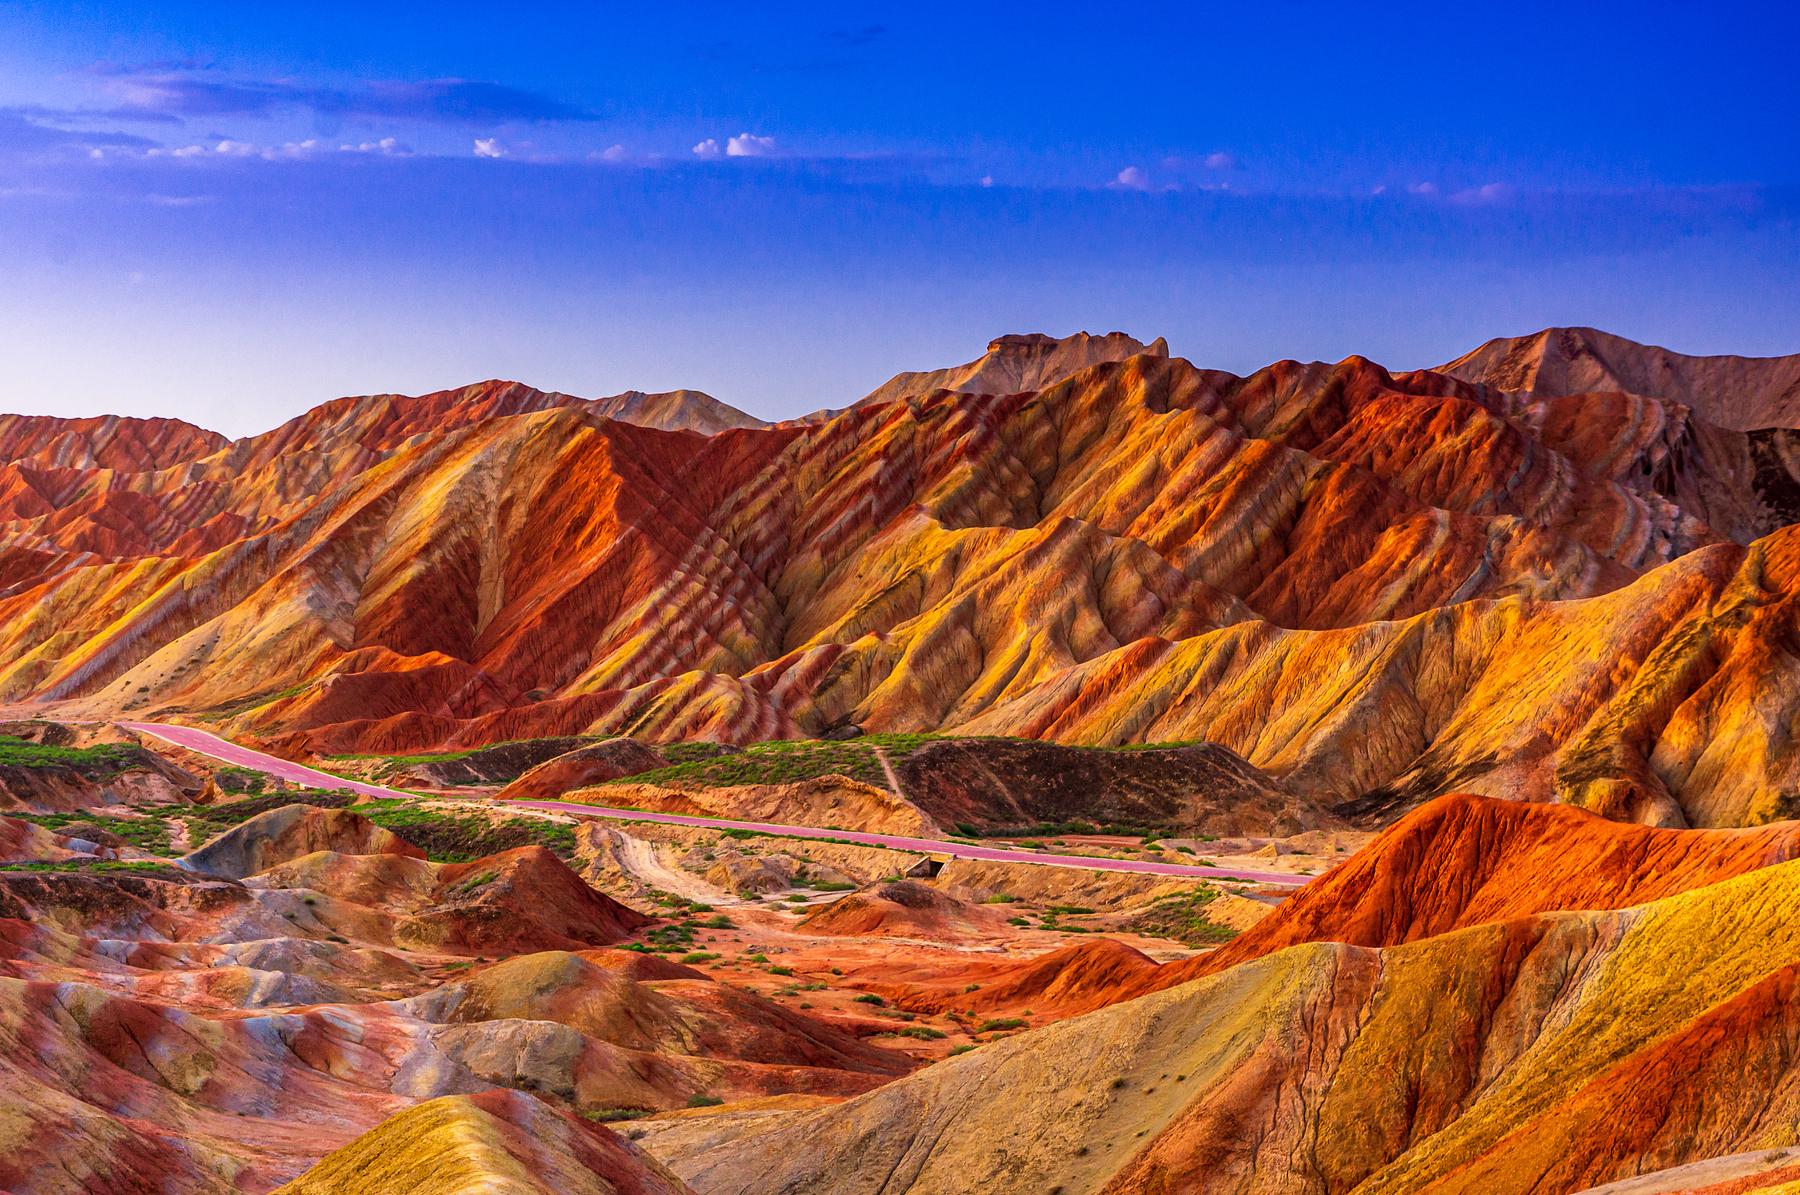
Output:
x=784 y=761
x=922 y=1032
x=105 y=758
x=1183 y=918
x=236 y=780
x=704 y=1101
x=145 y=867
x=463 y=838
x=147 y=833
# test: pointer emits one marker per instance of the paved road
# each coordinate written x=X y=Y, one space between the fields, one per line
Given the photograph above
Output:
x=223 y=749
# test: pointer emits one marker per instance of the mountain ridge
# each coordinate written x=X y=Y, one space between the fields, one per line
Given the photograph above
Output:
x=1741 y=393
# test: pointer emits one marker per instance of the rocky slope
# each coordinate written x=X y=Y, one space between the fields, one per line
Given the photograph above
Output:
x=1544 y=1053
x=161 y=1030
x=1459 y=861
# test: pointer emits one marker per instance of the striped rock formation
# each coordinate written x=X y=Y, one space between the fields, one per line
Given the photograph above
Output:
x=1375 y=587
x=1549 y=1052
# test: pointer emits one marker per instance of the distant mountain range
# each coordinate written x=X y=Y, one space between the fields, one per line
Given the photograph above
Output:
x=1530 y=571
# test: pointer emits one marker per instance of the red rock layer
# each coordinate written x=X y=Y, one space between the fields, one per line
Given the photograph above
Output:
x=1461 y=861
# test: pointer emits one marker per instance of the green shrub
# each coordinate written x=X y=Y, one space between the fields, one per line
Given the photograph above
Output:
x=604 y=1115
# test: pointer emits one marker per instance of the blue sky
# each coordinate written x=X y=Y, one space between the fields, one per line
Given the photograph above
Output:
x=231 y=212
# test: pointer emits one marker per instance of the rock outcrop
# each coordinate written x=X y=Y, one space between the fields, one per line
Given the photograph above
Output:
x=289 y=832
x=591 y=764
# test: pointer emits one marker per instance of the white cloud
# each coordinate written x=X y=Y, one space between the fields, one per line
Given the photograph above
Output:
x=613 y=153
x=312 y=147
x=748 y=145
x=386 y=147
x=1486 y=193
x=1132 y=178
x=1219 y=160
x=1422 y=188
x=489 y=147
x=708 y=148
x=987 y=180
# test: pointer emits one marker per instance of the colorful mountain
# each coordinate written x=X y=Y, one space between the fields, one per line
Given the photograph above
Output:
x=1480 y=589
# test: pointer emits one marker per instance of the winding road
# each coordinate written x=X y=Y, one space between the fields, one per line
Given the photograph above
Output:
x=226 y=751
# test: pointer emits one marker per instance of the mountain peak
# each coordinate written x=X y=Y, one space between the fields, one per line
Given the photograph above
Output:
x=1021 y=361
x=1742 y=393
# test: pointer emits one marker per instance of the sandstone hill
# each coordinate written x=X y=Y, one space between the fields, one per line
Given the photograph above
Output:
x=497 y=1141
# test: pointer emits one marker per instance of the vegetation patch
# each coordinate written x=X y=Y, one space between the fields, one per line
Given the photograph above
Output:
x=1040 y=830
x=102 y=758
x=463 y=838
x=240 y=780
x=149 y=834
x=785 y=761
x=1183 y=918
x=145 y=867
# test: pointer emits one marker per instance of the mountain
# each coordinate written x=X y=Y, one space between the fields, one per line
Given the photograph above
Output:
x=674 y=411
x=1027 y=362
x=1030 y=361
x=103 y=442
x=1741 y=393
x=1374 y=587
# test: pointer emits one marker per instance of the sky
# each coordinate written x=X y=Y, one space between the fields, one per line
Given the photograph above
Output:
x=231 y=212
